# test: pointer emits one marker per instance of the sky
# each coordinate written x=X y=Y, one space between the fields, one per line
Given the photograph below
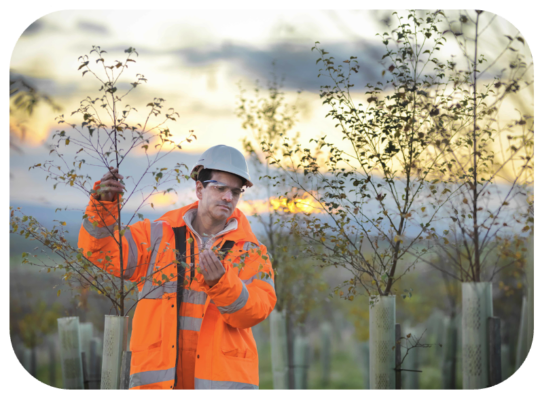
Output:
x=194 y=59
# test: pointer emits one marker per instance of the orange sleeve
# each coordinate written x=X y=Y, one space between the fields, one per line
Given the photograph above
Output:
x=99 y=240
x=247 y=298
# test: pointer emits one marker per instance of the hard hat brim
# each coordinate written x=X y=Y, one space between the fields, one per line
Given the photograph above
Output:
x=198 y=168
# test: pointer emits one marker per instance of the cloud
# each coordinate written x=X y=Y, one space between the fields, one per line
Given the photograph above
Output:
x=92 y=27
x=36 y=27
x=43 y=85
x=293 y=61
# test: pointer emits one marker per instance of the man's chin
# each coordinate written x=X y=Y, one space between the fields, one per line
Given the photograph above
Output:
x=222 y=212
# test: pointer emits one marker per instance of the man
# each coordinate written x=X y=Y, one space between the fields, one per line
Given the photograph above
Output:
x=192 y=328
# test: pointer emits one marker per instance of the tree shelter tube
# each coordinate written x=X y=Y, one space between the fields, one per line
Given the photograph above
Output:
x=382 y=324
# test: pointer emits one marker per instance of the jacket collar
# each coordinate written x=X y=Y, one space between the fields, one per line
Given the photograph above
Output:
x=237 y=225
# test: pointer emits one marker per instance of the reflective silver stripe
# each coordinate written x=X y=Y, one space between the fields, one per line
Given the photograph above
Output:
x=157 y=291
x=237 y=304
x=156 y=234
x=98 y=232
x=151 y=377
x=108 y=231
x=259 y=276
x=248 y=245
x=133 y=255
x=195 y=297
x=190 y=323
x=201 y=384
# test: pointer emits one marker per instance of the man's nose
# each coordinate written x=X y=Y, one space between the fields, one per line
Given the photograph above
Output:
x=228 y=195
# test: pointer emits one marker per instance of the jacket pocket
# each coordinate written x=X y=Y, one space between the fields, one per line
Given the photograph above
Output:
x=238 y=343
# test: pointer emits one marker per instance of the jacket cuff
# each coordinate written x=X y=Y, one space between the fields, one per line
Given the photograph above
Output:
x=105 y=213
x=227 y=290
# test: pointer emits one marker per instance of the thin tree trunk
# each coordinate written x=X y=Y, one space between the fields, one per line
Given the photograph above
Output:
x=52 y=363
x=33 y=361
x=476 y=268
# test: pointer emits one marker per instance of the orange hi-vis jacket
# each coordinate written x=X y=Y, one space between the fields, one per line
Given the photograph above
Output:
x=218 y=319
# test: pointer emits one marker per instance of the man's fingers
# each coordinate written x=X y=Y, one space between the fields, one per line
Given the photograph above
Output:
x=112 y=174
x=216 y=263
x=203 y=262
x=113 y=184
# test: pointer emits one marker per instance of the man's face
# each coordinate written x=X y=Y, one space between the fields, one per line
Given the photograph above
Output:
x=219 y=205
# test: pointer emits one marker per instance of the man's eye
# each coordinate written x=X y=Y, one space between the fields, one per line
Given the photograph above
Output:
x=221 y=189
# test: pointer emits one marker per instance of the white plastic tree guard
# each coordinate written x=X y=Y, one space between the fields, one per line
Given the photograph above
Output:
x=115 y=336
x=505 y=361
x=96 y=344
x=70 y=353
x=86 y=330
x=24 y=354
x=434 y=327
x=410 y=380
x=449 y=351
x=301 y=361
x=363 y=357
x=523 y=344
x=278 y=340
x=382 y=325
x=530 y=290
x=326 y=344
x=477 y=304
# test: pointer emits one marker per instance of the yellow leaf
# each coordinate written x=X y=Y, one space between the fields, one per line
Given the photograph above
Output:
x=58 y=293
x=423 y=209
x=397 y=238
x=465 y=200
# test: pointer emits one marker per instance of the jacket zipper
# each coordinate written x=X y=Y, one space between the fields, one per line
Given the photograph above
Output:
x=192 y=253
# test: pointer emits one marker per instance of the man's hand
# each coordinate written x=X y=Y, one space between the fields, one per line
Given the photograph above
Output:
x=211 y=267
x=110 y=185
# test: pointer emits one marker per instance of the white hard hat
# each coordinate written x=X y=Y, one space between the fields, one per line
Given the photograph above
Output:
x=223 y=158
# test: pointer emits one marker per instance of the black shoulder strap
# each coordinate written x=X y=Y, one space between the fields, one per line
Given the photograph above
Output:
x=225 y=248
x=180 y=246
x=180 y=242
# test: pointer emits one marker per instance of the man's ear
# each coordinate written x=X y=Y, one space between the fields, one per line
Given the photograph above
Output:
x=198 y=189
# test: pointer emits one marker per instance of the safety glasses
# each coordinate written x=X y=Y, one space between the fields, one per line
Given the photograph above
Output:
x=223 y=188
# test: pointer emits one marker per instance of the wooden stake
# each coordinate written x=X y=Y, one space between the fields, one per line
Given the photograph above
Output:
x=124 y=373
x=494 y=344
x=398 y=357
